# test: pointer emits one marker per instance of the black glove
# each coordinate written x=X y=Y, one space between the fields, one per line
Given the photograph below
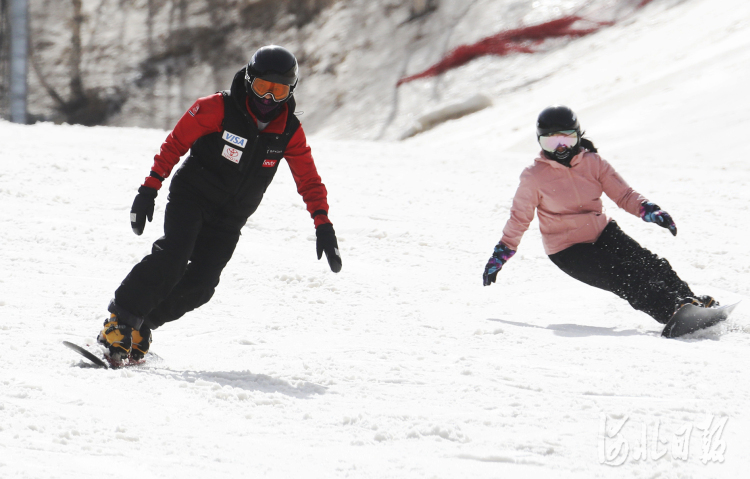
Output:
x=143 y=207
x=327 y=242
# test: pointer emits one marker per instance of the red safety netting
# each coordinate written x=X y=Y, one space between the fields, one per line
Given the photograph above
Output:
x=519 y=40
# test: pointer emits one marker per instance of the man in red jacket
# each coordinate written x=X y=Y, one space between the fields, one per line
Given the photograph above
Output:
x=236 y=140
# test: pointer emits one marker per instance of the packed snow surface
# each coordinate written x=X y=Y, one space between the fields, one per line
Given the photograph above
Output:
x=403 y=365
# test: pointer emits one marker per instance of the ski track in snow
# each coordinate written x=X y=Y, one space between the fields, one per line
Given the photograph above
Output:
x=402 y=365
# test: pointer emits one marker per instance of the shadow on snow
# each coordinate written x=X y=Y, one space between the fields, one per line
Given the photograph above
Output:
x=248 y=381
x=580 y=331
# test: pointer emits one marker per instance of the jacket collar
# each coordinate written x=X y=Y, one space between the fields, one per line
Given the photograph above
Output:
x=554 y=164
x=277 y=125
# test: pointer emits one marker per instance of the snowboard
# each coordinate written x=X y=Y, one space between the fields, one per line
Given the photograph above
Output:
x=104 y=362
x=690 y=318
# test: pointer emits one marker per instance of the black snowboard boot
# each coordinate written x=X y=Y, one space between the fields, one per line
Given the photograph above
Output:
x=708 y=301
x=704 y=301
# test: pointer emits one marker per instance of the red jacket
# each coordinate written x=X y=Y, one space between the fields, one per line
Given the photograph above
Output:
x=193 y=125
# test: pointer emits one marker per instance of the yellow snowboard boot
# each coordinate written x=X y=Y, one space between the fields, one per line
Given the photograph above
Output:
x=117 y=338
x=141 y=342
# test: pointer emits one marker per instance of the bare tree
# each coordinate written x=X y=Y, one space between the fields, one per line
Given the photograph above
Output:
x=76 y=82
x=86 y=107
x=421 y=8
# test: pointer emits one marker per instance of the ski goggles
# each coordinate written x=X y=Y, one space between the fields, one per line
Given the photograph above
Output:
x=278 y=91
x=557 y=139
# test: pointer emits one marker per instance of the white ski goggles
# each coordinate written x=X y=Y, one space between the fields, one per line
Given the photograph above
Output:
x=557 y=139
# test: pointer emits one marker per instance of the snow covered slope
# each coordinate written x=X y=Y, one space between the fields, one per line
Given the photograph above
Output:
x=402 y=365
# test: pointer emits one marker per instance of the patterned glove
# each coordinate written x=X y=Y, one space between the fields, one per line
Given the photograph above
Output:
x=651 y=213
x=499 y=257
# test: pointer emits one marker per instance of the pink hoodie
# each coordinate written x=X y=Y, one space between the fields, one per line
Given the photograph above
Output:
x=568 y=201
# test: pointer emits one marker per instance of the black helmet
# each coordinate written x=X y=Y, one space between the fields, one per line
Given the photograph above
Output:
x=556 y=118
x=275 y=64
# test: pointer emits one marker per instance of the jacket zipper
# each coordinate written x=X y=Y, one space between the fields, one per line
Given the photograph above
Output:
x=573 y=184
x=246 y=164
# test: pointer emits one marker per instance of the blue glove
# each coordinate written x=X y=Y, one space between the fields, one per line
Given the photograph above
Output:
x=651 y=213
x=499 y=257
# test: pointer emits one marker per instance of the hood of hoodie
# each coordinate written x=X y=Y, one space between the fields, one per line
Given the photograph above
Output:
x=237 y=90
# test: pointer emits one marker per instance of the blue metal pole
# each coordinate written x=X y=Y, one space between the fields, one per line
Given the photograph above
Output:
x=19 y=55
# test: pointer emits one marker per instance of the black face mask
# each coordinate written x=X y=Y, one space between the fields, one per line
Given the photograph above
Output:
x=264 y=109
x=563 y=157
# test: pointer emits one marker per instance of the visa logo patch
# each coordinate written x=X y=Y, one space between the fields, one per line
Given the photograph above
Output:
x=269 y=163
x=234 y=139
x=231 y=154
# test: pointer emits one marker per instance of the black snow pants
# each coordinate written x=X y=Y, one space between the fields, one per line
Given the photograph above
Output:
x=617 y=263
x=184 y=266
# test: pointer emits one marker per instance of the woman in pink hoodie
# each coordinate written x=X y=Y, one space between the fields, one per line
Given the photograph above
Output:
x=564 y=186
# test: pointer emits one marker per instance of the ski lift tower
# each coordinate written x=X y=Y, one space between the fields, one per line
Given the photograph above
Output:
x=19 y=54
